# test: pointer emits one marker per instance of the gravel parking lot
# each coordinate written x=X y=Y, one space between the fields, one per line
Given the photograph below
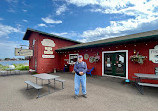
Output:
x=104 y=94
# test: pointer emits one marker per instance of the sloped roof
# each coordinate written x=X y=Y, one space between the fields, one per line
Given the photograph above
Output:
x=122 y=39
x=29 y=31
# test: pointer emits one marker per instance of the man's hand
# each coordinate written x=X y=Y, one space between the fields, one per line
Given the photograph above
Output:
x=81 y=73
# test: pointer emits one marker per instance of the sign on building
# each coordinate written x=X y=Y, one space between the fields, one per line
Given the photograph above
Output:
x=153 y=54
x=48 y=44
x=23 y=52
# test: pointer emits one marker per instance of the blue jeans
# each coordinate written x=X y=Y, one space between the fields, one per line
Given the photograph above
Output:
x=80 y=79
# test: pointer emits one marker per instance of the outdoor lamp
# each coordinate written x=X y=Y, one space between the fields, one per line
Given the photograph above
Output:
x=134 y=51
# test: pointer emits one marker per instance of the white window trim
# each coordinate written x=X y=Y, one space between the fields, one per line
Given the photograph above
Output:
x=126 y=63
x=69 y=58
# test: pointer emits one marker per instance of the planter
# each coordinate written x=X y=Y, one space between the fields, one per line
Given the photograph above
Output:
x=138 y=59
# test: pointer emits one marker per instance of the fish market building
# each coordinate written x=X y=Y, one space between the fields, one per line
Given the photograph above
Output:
x=119 y=57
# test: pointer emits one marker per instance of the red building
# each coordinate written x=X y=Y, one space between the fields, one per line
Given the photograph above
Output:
x=116 y=57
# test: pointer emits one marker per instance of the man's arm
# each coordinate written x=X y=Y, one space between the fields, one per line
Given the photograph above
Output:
x=85 y=68
x=75 y=69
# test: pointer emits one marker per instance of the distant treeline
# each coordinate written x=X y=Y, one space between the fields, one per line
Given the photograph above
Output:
x=26 y=58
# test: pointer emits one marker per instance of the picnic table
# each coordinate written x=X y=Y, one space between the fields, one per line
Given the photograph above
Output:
x=140 y=84
x=45 y=76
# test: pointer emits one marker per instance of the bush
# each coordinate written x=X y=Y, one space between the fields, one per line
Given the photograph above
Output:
x=17 y=67
x=21 y=67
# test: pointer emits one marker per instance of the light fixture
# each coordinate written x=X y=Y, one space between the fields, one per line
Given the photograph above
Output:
x=134 y=51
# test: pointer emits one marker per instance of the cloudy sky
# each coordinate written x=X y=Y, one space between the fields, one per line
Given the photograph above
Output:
x=82 y=20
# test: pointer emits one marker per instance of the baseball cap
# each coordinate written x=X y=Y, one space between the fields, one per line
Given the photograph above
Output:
x=80 y=56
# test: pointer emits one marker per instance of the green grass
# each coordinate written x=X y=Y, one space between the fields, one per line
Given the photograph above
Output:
x=17 y=67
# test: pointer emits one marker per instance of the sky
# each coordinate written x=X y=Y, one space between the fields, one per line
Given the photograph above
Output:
x=81 y=20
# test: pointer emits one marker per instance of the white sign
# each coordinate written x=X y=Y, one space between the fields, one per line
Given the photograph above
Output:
x=23 y=52
x=153 y=55
x=48 y=56
x=48 y=43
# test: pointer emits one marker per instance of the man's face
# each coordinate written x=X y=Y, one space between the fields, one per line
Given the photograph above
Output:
x=80 y=59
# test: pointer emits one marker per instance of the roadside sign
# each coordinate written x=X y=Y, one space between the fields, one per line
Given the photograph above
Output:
x=23 y=52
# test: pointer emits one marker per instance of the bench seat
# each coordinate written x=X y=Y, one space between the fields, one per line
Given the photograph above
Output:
x=148 y=84
x=36 y=86
x=62 y=81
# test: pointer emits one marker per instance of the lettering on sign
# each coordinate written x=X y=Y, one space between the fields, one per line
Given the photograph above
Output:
x=48 y=44
x=153 y=54
x=48 y=56
x=23 y=52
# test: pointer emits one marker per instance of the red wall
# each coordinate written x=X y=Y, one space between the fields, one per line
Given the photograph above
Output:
x=143 y=48
x=46 y=65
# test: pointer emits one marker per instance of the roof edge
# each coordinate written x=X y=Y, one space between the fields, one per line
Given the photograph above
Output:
x=45 y=33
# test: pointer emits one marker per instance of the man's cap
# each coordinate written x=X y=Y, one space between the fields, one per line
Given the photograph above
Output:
x=80 y=56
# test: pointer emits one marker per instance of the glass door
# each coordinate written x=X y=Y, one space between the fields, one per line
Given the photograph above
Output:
x=115 y=64
x=120 y=64
x=108 y=63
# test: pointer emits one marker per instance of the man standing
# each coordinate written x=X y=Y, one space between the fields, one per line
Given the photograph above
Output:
x=80 y=69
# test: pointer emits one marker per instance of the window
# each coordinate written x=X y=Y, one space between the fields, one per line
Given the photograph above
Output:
x=73 y=58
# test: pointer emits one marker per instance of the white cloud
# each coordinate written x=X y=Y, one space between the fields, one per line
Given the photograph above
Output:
x=61 y=9
x=102 y=3
x=5 y=30
x=24 y=10
x=42 y=25
x=48 y=20
x=118 y=28
x=59 y=34
x=70 y=34
x=25 y=20
x=1 y=18
x=139 y=13
x=12 y=1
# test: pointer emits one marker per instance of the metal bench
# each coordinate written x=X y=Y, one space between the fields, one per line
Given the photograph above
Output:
x=139 y=83
x=62 y=81
x=34 y=85
x=145 y=84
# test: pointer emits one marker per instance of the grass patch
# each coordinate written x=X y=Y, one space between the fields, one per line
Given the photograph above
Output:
x=17 y=67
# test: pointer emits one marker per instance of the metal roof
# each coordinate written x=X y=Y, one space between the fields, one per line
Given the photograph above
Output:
x=29 y=31
x=116 y=40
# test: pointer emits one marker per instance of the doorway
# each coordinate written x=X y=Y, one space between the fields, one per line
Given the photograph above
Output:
x=115 y=63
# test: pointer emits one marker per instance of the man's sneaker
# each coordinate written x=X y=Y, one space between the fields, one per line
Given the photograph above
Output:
x=76 y=97
x=85 y=96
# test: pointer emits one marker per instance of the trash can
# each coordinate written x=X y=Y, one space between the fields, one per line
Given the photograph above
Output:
x=66 y=68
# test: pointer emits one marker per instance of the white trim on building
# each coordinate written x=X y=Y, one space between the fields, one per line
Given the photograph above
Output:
x=126 y=51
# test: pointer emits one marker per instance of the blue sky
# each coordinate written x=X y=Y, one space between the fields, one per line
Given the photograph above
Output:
x=82 y=20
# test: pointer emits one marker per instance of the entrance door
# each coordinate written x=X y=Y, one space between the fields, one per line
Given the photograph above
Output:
x=115 y=64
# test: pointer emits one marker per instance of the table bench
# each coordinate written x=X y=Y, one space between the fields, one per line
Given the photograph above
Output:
x=140 y=84
x=34 y=85
x=62 y=81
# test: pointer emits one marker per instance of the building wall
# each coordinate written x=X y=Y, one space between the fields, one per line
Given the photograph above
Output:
x=46 y=65
x=143 y=48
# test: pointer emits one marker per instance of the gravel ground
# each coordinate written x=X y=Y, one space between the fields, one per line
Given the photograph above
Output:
x=104 y=93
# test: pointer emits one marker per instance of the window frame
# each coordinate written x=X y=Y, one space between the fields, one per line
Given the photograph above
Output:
x=73 y=55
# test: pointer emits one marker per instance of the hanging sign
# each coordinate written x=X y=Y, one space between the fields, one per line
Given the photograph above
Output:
x=153 y=54
x=48 y=44
x=23 y=52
